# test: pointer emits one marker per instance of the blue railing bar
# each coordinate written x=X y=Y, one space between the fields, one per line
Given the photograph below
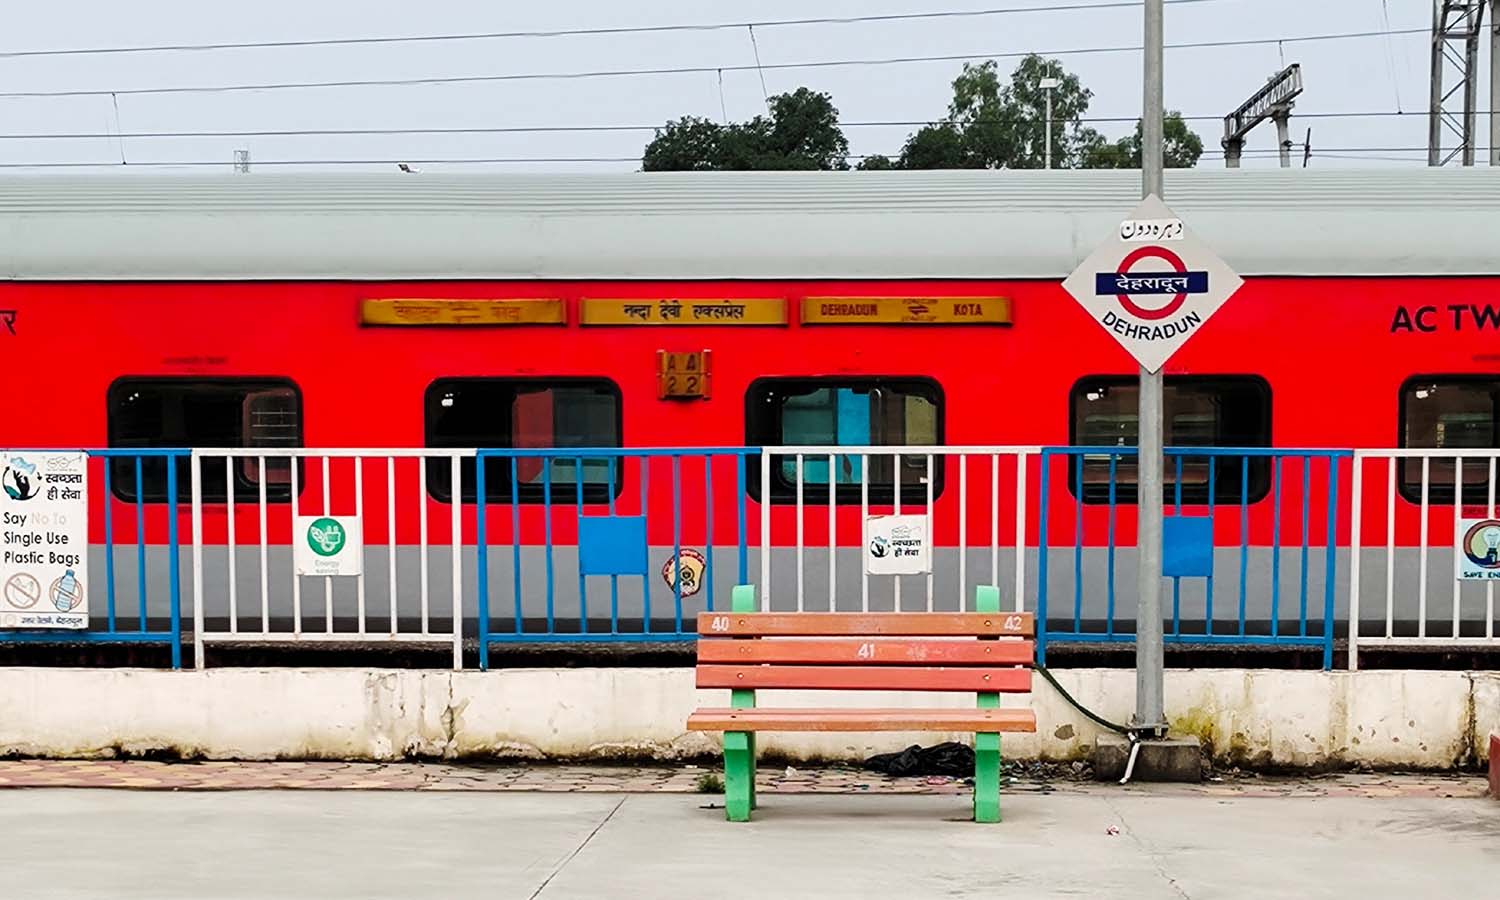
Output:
x=1275 y=546
x=1099 y=637
x=1109 y=616
x=140 y=540
x=708 y=524
x=1234 y=452
x=481 y=561
x=62 y=636
x=1078 y=546
x=583 y=594
x=1044 y=503
x=174 y=577
x=1329 y=562
x=109 y=548
x=598 y=637
x=547 y=540
x=645 y=514
x=1306 y=525
x=1177 y=581
x=1208 y=597
x=1244 y=534
x=515 y=537
x=614 y=580
x=677 y=540
x=739 y=492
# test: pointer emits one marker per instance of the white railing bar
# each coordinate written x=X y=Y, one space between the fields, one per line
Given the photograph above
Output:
x=1425 y=453
x=349 y=452
x=458 y=563
x=1021 y=456
x=327 y=579
x=904 y=449
x=1489 y=587
x=896 y=579
x=422 y=540
x=833 y=560
x=194 y=462
x=963 y=532
x=864 y=531
x=1390 y=547
x=229 y=517
x=390 y=524
x=439 y=640
x=800 y=531
x=930 y=554
x=1458 y=508
x=296 y=579
x=1356 y=509
x=265 y=566
x=359 y=516
x=765 y=530
x=1422 y=553
x=1430 y=640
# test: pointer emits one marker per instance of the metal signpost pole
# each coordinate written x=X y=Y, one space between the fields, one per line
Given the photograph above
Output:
x=1149 y=705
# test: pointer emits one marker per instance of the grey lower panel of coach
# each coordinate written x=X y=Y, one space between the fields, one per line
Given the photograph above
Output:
x=1090 y=592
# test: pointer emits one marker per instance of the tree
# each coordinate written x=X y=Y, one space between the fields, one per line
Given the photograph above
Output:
x=1003 y=125
x=1181 y=148
x=801 y=131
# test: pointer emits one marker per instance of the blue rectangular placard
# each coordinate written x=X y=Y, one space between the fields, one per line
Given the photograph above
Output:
x=1187 y=546
x=612 y=545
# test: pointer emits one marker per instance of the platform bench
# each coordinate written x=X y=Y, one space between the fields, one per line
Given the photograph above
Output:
x=745 y=650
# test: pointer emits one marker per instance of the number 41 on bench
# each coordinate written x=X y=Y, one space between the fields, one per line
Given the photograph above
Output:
x=745 y=650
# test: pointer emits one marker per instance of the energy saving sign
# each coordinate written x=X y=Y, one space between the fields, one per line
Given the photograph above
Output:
x=1478 y=549
x=1153 y=284
x=328 y=545
x=44 y=540
x=897 y=545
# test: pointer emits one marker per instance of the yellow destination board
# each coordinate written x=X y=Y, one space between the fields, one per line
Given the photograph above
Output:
x=462 y=312
x=906 y=310
x=759 y=311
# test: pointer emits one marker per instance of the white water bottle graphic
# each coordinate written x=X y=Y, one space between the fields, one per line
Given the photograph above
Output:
x=65 y=595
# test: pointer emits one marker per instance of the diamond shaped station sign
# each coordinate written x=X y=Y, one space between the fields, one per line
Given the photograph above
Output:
x=1153 y=284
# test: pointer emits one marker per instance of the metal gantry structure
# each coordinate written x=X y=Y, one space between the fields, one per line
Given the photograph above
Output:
x=1457 y=26
x=1273 y=101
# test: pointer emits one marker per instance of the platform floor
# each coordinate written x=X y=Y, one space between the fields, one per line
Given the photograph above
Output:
x=1301 y=840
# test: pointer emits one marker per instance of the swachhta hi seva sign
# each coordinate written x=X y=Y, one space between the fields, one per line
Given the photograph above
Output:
x=1152 y=285
x=44 y=540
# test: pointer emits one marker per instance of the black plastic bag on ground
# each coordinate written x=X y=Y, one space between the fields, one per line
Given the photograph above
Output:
x=948 y=758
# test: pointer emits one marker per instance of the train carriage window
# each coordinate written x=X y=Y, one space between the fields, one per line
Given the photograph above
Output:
x=1449 y=412
x=197 y=413
x=1197 y=411
x=525 y=413
x=845 y=412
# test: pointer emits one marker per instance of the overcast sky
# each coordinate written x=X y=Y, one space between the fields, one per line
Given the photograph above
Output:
x=1372 y=74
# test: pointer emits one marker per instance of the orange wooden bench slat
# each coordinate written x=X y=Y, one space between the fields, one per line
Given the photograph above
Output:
x=865 y=678
x=856 y=652
x=975 y=720
x=913 y=624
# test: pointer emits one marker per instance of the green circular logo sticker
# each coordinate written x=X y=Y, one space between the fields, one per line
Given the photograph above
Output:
x=326 y=537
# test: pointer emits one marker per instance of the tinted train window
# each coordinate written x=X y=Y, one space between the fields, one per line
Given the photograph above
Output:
x=1219 y=411
x=839 y=412
x=521 y=413
x=1448 y=412
x=191 y=412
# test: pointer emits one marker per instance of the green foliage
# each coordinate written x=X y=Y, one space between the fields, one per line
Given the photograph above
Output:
x=801 y=131
x=1181 y=147
x=710 y=783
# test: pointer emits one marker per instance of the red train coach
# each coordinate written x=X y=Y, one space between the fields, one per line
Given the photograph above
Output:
x=823 y=308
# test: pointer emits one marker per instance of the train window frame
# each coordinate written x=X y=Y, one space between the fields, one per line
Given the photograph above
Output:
x=1440 y=489
x=498 y=487
x=763 y=430
x=1228 y=470
x=122 y=475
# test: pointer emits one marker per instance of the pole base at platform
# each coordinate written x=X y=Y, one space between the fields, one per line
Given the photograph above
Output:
x=1495 y=764
x=1169 y=759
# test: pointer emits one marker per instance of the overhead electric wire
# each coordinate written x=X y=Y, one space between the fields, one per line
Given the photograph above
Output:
x=567 y=129
x=681 y=70
x=577 y=32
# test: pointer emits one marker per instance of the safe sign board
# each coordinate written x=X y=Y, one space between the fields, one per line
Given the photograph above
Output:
x=329 y=545
x=44 y=540
x=1152 y=285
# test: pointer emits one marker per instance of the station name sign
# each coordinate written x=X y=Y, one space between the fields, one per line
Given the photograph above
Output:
x=906 y=311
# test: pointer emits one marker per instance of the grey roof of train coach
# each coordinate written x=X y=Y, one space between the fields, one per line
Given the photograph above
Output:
x=795 y=225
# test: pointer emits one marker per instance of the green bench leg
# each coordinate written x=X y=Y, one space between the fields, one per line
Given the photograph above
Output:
x=986 y=777
x=739 y=775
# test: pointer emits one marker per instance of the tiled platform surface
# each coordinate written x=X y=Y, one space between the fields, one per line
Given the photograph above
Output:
x=232 y=776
